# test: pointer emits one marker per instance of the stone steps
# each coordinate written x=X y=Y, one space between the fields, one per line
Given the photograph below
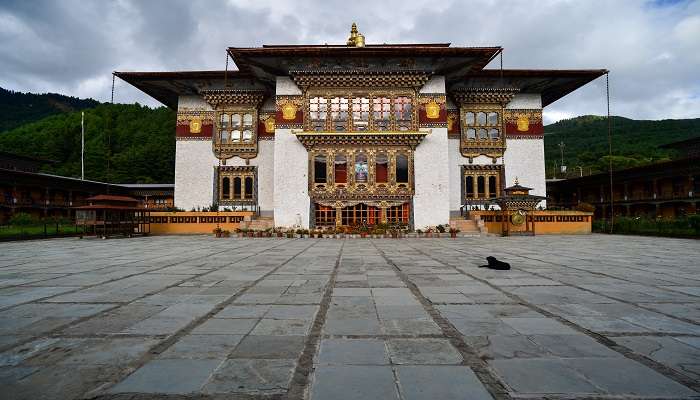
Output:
x=468 y=227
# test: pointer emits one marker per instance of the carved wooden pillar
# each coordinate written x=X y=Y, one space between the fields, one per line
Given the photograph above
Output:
x=382 y=215
x=338 y=216
x=654 y=188
x=626 y=188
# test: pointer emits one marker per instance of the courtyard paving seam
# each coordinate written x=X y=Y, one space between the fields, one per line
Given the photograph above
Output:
x=612 y=345
x=172 y=339
x=55 y=332
x=492 y=384
x=299 y=388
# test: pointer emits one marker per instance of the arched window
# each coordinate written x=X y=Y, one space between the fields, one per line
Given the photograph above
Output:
x=381 y=171
x=361 y=169
x=225 y=136
x=318 y=111
x=493 y=192
x=494 y=133
x=401 y=169
x=341 y=169
x=236 y=188
x=471 y=134
x=226 y=188
x=381 y=110
x=481 y=118
x=247 y=135
x=481 y=186
x=320 y=169
x=469 y=186
x=482 y=134
x=224 y=121
x=360 y=113
x=235 y=136
x=248 y=187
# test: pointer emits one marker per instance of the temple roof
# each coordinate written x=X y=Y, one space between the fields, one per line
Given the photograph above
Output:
x=552 y=84
x=462 y=67
x=438 y=58
x=167 y=86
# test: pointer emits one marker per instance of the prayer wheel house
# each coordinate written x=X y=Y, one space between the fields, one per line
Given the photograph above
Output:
x=358 y=133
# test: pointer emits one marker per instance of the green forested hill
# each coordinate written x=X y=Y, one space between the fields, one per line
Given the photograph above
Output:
x=634 y=142
x=20 y=108
x=137 y=142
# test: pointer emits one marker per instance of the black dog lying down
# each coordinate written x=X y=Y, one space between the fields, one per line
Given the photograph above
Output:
x=495 y=264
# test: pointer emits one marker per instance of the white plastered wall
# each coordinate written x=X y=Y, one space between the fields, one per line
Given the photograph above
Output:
x=291 y=180
x=431 y=201
x=195 y=163
x=524 y=158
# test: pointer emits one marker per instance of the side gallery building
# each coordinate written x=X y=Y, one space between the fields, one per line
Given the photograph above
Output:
x=328 y=135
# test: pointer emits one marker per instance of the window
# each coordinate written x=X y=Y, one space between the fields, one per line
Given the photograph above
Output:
x=403 y=113
x=325 y=215
x=318 y=110
x=320 y=169
x=398 y=214
x=469 y=186
x=381 y=172
x=339 y=114
x=360 y=113
x=482 y=125
x=341 y=169
x=249 y=187
x=235 y=128
x=482 y=182
x=237 y=185
x=226 y=188
x=361 y=169
x=480 y=187
x=381 y=113
x=492 y=187
x=401 y=169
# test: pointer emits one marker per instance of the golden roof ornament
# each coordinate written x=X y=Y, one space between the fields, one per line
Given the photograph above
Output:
x=356 y=39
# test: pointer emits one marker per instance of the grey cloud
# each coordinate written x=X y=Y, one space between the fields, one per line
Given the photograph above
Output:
x=651 y=48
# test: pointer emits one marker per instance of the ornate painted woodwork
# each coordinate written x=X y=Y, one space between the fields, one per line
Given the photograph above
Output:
x=523 y=124
x=194 y=125
x=236 y=186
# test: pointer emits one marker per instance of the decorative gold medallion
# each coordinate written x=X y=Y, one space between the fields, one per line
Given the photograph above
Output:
x=270 y=125
x=523 y=123
x=289 y=111
x=518 y=218
x=196 y=125
x=432 y=110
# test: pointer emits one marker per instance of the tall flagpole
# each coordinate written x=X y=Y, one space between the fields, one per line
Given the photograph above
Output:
x=82 y=145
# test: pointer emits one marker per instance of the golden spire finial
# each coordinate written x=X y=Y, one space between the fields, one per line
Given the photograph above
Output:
x=356 y=38
x=516 y=181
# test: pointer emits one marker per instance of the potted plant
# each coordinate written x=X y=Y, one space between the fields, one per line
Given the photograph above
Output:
x=226 y=233
x=217 y=232
x=454 y=232
x=429 y=232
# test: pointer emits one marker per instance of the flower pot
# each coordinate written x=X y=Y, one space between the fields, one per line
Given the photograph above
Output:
x=218 y=234
x=453 y=235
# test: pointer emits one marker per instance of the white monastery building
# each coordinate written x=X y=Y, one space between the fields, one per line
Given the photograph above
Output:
x=338 y=135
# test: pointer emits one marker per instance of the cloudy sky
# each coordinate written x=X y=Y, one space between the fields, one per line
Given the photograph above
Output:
x=652 y=48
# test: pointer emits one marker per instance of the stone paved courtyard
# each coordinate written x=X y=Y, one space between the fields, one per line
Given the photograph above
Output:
x=198 y=317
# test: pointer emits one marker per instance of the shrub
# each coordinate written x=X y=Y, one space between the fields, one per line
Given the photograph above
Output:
x=22 y=219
